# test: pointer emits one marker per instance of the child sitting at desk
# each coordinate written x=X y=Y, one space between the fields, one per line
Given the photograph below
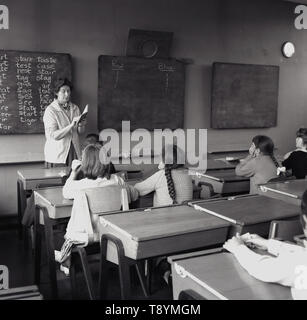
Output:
x=96 y=174
x=172 y=183
x=288 y=267
x=260 y=165
x=297 y=159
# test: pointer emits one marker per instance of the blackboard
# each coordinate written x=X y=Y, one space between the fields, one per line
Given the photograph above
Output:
x=26 y=80
x=147 y=92
x=244 y=95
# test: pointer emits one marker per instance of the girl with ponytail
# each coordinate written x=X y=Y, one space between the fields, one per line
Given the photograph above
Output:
x=297 y=160
x=260 y=165
x=171 y=183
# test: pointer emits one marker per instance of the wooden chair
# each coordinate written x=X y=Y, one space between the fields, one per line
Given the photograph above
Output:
x=285 y=229
x=100 y=200
x=103 y=199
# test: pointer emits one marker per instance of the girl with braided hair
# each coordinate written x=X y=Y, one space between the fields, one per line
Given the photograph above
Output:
x=172 y=183
x=260 y=165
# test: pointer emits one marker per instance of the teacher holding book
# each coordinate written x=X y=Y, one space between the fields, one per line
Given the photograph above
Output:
x=63 y=123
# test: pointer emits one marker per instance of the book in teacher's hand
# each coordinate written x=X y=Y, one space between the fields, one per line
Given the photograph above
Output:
x=84 y=114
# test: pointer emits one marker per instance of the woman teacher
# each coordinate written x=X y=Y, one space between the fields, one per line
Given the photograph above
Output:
x=62 y=128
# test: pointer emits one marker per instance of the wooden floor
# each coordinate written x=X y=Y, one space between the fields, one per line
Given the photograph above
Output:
x=20 y=263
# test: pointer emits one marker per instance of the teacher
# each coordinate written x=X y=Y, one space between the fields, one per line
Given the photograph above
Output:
x=62 y=128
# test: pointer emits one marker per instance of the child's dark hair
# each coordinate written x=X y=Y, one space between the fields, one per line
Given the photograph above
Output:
x=171 y=166
x=266 y=147
x=92 y=135
x=60 y=82
x=304 y=210
x=302 y=133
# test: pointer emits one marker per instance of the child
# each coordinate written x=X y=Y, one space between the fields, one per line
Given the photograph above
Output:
x=172 y=183
x=297 y=159
x=287 y=268
x=91 y=138
x=96 y=174
x=260 y=165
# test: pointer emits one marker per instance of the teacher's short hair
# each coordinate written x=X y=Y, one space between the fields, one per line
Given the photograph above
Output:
x=60 y=82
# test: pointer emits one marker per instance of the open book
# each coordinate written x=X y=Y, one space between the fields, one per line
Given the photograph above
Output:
x=84 y=114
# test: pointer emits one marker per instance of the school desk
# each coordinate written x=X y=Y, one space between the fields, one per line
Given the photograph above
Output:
x=289 y=191
x=217 y=275
x=21 y=293
x=51 y=210
x=223 y=181
x=145 y=234
x=248 y=213
x=30 y=179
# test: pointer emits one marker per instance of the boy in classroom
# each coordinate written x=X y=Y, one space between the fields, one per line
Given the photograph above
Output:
x=287 y=266
x=297 y=160
x=260 y=165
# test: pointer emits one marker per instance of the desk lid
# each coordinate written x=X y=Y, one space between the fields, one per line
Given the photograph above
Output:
x=162 y=222
x=53 y=196
x=294 y=188
x=222 y=275
x=250 y=209
x=41 y=173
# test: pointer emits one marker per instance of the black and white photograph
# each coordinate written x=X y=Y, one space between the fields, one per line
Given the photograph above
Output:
x=153 y=153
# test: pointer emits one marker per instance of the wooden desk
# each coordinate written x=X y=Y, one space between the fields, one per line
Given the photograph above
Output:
x=30 y=179
x=289 y=191
x=224 y=181
x=249 y=213
x=21 y=293
x=217 y=275
x=157 y=232
x=52 y=199
x=164 y=230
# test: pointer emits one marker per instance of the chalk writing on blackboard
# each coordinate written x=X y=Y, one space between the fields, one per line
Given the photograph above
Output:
x=26 y=88
x=147 y=92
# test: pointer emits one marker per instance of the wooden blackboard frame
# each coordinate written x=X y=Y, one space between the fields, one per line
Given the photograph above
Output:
x=266 y=118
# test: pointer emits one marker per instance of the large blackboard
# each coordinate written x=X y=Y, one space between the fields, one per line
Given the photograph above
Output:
x=26 y=80
x=147 y=92
x=244 y=95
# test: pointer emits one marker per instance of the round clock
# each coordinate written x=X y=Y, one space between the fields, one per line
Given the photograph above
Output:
x=288 y=49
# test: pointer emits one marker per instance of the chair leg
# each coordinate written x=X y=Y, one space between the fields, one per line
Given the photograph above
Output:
x=87 y=273
x=73 y=282
x=123 y=267
x=149 y=270
x=50 y=253
x=140 y=272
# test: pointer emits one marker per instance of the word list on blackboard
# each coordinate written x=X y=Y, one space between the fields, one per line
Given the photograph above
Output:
x=26 y=88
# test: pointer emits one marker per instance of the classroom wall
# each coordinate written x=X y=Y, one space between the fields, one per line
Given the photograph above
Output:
x=242 y=31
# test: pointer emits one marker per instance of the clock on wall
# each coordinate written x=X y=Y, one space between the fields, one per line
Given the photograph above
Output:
x=288 y=49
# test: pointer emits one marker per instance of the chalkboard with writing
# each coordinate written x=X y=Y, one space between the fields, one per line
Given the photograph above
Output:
x=26 y=80
x=147 y=92
x=244 y=95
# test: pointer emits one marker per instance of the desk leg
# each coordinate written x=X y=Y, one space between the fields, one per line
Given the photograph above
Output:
x=22 y=202
x=123 y=267
x=50 y=253
x=37 y=246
